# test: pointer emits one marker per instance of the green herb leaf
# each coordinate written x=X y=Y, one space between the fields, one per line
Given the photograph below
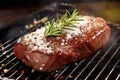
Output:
x=66 y=22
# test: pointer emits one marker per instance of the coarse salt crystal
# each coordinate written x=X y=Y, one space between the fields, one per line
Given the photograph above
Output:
x=36 y=41
x=41 y=68
x=68 y=36
x=62 y=44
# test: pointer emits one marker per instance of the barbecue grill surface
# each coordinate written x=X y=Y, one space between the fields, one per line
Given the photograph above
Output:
x=104 y=64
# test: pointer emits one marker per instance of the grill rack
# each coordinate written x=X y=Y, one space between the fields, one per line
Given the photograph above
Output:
x=104 y=64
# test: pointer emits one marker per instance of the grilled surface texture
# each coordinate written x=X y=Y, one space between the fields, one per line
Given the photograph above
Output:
x=55 y=52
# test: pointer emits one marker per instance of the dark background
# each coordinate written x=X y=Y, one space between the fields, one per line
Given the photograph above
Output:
x=15 y=11
x=28 y=3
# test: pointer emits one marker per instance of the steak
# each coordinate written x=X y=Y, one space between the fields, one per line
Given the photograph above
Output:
x=51 y=53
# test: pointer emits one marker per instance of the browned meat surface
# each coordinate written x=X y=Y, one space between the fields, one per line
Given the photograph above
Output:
x=57 y=52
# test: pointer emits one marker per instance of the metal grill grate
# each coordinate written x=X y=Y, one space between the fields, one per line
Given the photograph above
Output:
x=104 y=64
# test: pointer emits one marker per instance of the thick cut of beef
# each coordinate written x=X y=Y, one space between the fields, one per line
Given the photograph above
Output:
x=50 y=53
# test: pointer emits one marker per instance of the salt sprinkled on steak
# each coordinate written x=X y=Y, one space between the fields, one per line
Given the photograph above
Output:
x=47 y=54
x=37 y=41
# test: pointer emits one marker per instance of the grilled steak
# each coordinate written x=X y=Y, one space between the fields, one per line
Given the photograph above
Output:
x=51 y=53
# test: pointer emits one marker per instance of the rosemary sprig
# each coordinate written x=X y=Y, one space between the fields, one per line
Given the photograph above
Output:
x=66 y=22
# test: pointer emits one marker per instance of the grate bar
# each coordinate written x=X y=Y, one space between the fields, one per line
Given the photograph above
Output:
x=76 y=68
x=24 y=74
x=95 y=56
x=107 y=63
x=62 y=72
x=10 y=76
x=11 y=61
x=99 y=60
x=9 y=45
x=112 y=69
x=6 y=58
x=26 y=78
x=118 y=77
x=32 y=71
x=40 y=77
x=5 y=44
x=10 y=69
x=51 y=74
x=89 y=63
x=5 y=52
x=6 y=49
x=18 y=78
x=8 y=63
x=13 y=66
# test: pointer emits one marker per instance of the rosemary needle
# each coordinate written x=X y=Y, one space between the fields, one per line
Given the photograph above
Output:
x=66 y=22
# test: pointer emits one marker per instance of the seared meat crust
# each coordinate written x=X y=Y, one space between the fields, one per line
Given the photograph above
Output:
x=94 y=35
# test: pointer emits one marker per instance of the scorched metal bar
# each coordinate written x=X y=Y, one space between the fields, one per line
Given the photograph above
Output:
x=82 y=61
x=62 y=72
x=98 y=61
x=118 y=77
x=112 y=69
x=107 y=63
